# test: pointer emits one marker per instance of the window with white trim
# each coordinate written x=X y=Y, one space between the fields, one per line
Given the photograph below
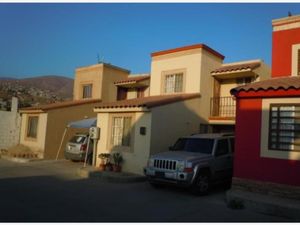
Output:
x=284 y=128
x=87 y=90
x=173 y=83
x=121 y=129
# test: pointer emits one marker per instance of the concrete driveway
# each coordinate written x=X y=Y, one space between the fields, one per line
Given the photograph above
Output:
x=52 y=192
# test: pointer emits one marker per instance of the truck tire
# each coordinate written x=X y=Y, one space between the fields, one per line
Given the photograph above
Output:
x=201 y=184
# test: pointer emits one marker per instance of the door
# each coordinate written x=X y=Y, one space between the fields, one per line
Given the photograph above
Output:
x=223 y=160
x=121 y=93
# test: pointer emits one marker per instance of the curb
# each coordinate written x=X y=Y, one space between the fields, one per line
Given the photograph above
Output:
x=90 y=172
x=24 y=160
x=266 y=204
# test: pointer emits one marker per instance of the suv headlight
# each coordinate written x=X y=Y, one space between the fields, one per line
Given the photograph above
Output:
x=150 y=162
x=180 y=165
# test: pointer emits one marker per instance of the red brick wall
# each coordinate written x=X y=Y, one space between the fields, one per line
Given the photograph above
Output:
x=248 y=163
x=282 y=51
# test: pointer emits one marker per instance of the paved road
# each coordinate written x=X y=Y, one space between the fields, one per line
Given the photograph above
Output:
x=51 y=192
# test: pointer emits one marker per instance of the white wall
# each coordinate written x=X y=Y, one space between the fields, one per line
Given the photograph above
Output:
x=10 y=123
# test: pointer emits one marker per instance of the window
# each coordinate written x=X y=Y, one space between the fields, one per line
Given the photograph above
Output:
x=222 y=147
x=244 y=80
x=121 y=128
x=32 y=126
x=173 y=83
x=87 y=91
x=284 y=128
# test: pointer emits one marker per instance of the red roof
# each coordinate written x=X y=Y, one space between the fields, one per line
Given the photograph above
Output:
x=149 y=102
x=133 y=79
x=236 y=67
x=284 y=83
x=58 y=105
x=212 y=51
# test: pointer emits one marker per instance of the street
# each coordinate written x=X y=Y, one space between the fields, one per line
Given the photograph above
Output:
x=49 y=191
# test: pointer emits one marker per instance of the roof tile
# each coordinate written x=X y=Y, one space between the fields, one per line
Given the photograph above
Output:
x=64 y=104
x=149 y=102
x=236 y=67
x=133 y=79
x=285 y=83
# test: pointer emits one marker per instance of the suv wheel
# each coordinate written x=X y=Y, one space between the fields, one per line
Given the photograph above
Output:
x=201 y=184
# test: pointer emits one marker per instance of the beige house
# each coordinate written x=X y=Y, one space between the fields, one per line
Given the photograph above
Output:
x=183 y=83
x=97 y=82
x=43 y=126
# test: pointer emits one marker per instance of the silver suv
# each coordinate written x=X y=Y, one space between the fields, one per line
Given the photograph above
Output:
x=196 y=162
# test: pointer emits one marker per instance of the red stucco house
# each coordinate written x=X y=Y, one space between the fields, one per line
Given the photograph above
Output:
x=267 y=155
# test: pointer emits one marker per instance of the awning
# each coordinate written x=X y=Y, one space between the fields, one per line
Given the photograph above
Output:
x=86 y=123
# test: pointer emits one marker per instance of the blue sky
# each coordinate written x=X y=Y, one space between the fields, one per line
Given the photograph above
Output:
x=55 y=38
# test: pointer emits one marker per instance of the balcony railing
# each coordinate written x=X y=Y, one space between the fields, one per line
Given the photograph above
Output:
x=222 y=107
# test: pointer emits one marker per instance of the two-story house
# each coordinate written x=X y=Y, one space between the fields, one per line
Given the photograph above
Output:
x=43 y=126
x=183 y=82
x=267 y=155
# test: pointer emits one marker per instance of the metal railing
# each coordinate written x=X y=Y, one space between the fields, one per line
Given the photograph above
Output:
x=222 y=107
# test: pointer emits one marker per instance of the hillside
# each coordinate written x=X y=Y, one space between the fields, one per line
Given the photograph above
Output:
x=35 y=90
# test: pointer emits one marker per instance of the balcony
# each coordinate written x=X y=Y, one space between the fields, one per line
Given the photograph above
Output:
x=222 y=108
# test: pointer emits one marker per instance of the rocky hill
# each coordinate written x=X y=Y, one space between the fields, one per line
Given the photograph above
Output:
x=35 y=90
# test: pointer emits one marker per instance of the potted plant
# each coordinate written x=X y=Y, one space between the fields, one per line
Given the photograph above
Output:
x=118 y=159
x=104 y=160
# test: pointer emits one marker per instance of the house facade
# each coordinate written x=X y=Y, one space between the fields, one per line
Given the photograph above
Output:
x=43 y=126
x=267 y=155
x=181 y=88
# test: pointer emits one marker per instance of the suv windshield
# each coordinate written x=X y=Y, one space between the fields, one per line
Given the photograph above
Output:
x=78 y=139
x=201 y=145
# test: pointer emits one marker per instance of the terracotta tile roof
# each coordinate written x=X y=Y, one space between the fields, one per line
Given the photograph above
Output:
x=149 y=102
x=270 y=84
x=212 y=51
x=58 y=105
x=133 y=79
x=237 y=66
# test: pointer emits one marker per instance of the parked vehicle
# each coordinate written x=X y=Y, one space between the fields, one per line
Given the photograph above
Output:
x=195 y=162
x=77 y=146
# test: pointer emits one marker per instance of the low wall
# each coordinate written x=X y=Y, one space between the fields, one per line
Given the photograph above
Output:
x=10 y=122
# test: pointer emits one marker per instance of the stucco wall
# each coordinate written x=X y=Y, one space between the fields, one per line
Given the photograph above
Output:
x=10 y=124
x=172 y=121
x=131 y=93
x=282 y=51
x=109 y=89
x=248 y=161
x=188 y=60
x=58 y=120
x=209 y=62
x=226 y=86
x=37 y=144
x=88 y=75
x=135 y=158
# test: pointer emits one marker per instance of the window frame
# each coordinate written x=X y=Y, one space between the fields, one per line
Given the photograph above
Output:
x=164 y=76
x=111 y=132
x=28 y=124
x=83 y=90
x=295 y=58
x=265 y=152
x=278 y=130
